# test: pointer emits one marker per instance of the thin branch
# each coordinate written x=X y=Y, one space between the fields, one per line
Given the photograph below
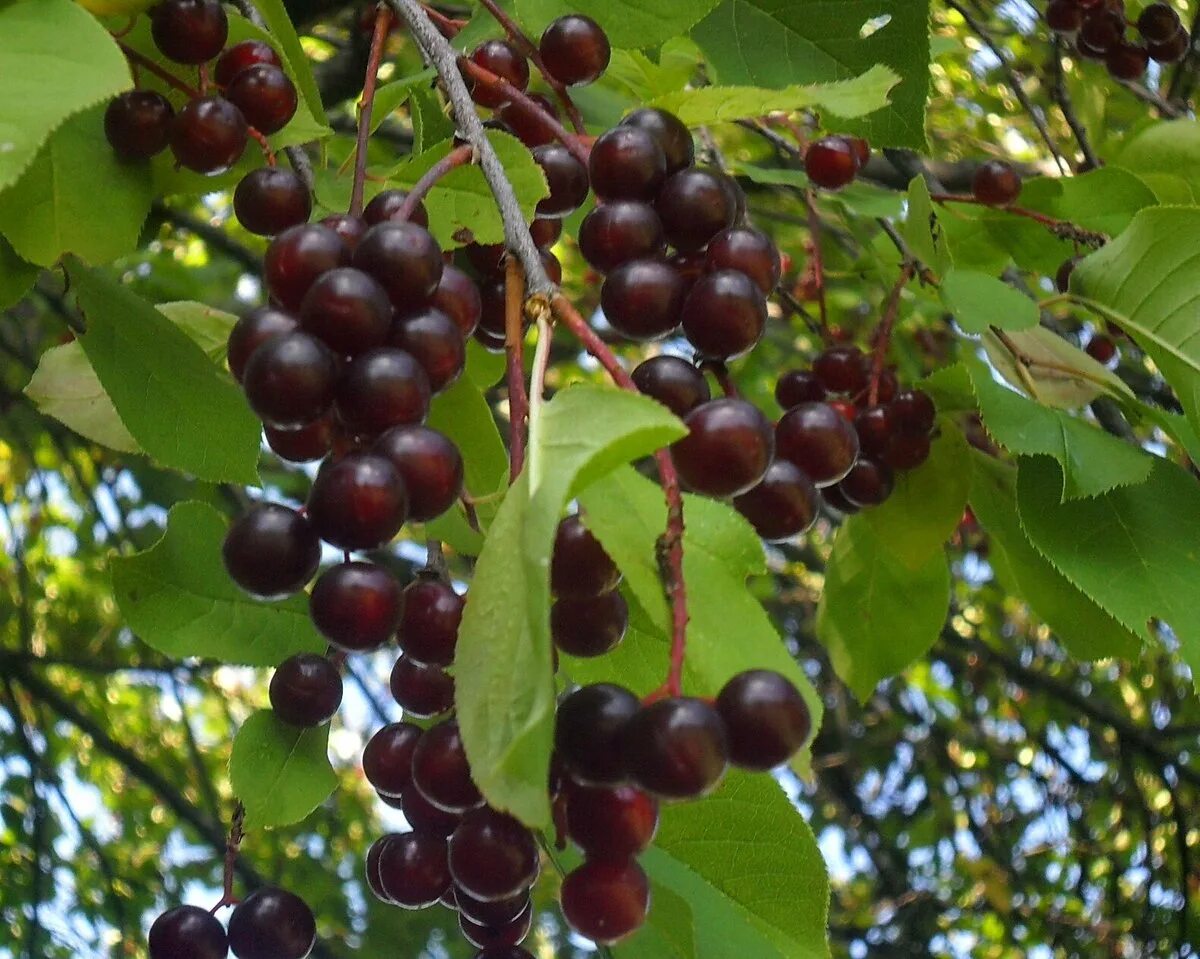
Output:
x=459 y=156
x=887 y=323
x=366 y=106
x=1063 y=229
x=150 y=66
x=1062 y=96
x=514 y=340
x=818 y=262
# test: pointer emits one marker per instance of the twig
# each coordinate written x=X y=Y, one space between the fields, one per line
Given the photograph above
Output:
x=1062 y=96
x=1018 y=361
x=1063 y=229
x=1146 y=95
x=886 y=324
x=149 y=65
x=449 y=26
x=233 y=843
x=366 y=106
x=922 y=270
x=435 y=560
x=514 y=340
x=721 y=373
x=818 y=262
x=459 y=156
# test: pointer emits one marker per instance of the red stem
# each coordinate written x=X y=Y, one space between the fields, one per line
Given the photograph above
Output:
x=818 y=261
x=232 y=844
x=459 y=156
x=263 y=142
x=514 y=341
x=670 y=544
x=448 y=26
x=529 y=48
x=1034 y=215
x=501 y=86
x=165 y=75
x=721 y=372
x=383 y=23
x=887 y=323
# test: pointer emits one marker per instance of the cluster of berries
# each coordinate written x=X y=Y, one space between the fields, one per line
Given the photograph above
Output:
x=1099 y=29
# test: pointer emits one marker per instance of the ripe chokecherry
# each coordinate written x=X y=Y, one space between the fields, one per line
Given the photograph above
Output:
x=388 y=755
x=620 y=231
x=298 y=257
x=356 y=606
x=272 y=923
x=784 y=504
x=305 y=445
x=766 y=719
x=672 y=135
x=413 y=870
x=528 y=124
x=841 y=369
x=907 y=451
x=358 y=502
x=612 y=823
x=575 y=49
x=251 y=331
x=996 y=183
x=271 y=551
x=1127 y=61
x=579 y=566
x=435 y=341
x=242 y=56
x=495 y=912
x=1158 y=23
x=422 y=691
x=695 y=204
x=503 y=935
x=831 y=162
x=306 y=690
x=798 y=386
x=405 y=259
x=912 y=411
x=209 y=135
x=423 y=816
x=869 y=483
x=724 y=315
x=1063 y=16
x=137 y=124
x=289 y=380
x=503 y=59
x=589 y=626
x=589 y=732
x=606 y=901
x=492 y=855
x=266 y=97
x=386 y=206
x=430 y=465
x=818 y=440
x=189 y=31
x=440 y=769
x=627 y=163
x=676 y=748
x=566 y=177
x=748 y=251
x=347 y=310
x=458 y=297
x=727 y=450
x=674 y=382
x=643 y=299
x=383 y=388
x=187 y=932
x=431 y=611
x=269 y=200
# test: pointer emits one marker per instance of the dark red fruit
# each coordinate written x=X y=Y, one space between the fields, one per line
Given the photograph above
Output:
x=912 y=411
x=430 y=465
x=496 y=912
x=422 y=691
x=430 y=614
x=266 y=97
x=189 y=31
x=387 y=758
x=458 y=297
x=348 y=311
x=617 y=232
x=579 y=566
x=413 y=870
x=405 y=259
x=298 y=257
x=575 y=49
x=306 y=690
x=529 y=125
x=251 y=331
x=676 y=748
x=272 y=924
x=441 y=772
x=841 y=369
x=1064 y=16
x=695 y=205
x=1173 y=50
x=424 y=817
x=798 y=386
x=435 y=341
x=271 y=551
x=727 y=450
x=503 y=936
x=627 y=163
x=724 y=315
x=589 y=732
x=503 y=59
x=305 y=445
x=818 y=439
x=1102 y=349
x=831 y=162
x=209 y=135
x=493 y=856
x=1062 y=278
x=138 y=125
x=996 y=183
x=748 y=251
x=1158 y=23
x=669 y=130
x=242 y=56
x=606 y=901
x=289 y=380
x=187 y=932
x=359 y=502
x=834 y=499
x=1128 y=61
x=545 y=233
x=611 y=823
x=766 y=719
x=874 y=429
x=356 y=606
x=869 y=483
x=590 y=626
x=907 y=451
x=271 y=199
x=386 y=206
x=566 y=177
x=643 y=299
x=784 y=504
x=381 y=389
x=674 y=382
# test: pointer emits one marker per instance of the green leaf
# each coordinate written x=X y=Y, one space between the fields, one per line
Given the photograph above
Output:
x=643 y=79
x=1166 y=148
x=669 y=932
x=16 y=276
x=1144 y=280
x=279 y=22
x=628 y=23
x=1063 y=374
x=183 y=410
x=748 y=865
x=847 y=98
x=979 y=301
x=177 y=597
x=776 y=43
x=1086 y=630
x=461 y=208
x=56 y=59
x=56 y=208
x=1132 y=550
x=505 y=684
x=927 y=504
x=877 y=615
x=429 y=120
x=1092 y=461
x=281 y=773
x=1104 y=200
x=207 y=326
x=923 y=229
x=391 y=96
x=65 y=386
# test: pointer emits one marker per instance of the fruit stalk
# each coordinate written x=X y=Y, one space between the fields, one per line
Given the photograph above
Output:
x=383 y=23
x=883 y=336
x=514 y=336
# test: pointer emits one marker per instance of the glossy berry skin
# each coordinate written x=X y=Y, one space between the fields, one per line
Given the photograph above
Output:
x=674 y=382
x=458 y=297
x=575 y=49
x=748 y=251
x=189 y=31
x=289 y=380
x=674 y=138
x=841 y=369
x=676 y=748
x=996 y=184
x=271 y=199
x=1102 y=31
x=422 y=691
x=208 y=135
x=356 y=606
x=387 y=758
x=493 y=856
x=529 y=126
x=589 y=733
x=503 y=59
x=271 y=551
x=724 y=315
x=614 y=823
x=766 y=719
x=835 y=501
x=1158 y=23
x=441 y=772
x=242 y=56
x=305 y=445
x=435 y=341
x=545 y=233
x=424 y=817
x=869 y=483
x=381 y=389
x=505 y=935
x=358 y=502
x=784 y=504
x=137 y=124
x=430 y=465
x=1063 y=16
x=347 y=310
x=266 y=97
x=187 y=932
x=643 y=299
x=386 y=206
x=798 y=386
x=912 y=411
x=831 y=162
x=413 y=870
x=1127 y=61
x=306 y=690
x=818 y=440
x=272 y=923
x=695 y=205
x=251 y=331
x=405 y=259
x=727 y=450
x=874 y=429
x=1171 y=51
x=627 y=163
x=297 y=258
x=1102 y=349
x=617 y=232
x=579 y=566
x=430 y=615
x=496 y=912
x=606 y=901
x=591 y=626
x=567 y=178
x=907 y=451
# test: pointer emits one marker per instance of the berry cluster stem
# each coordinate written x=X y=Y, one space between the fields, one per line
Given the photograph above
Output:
x=883 y=337
x=818 y=261
x=518 y=398
x=1064 y=229
x=150 y=66
x=366 y=106
x=232 y=844
x=459 y=156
